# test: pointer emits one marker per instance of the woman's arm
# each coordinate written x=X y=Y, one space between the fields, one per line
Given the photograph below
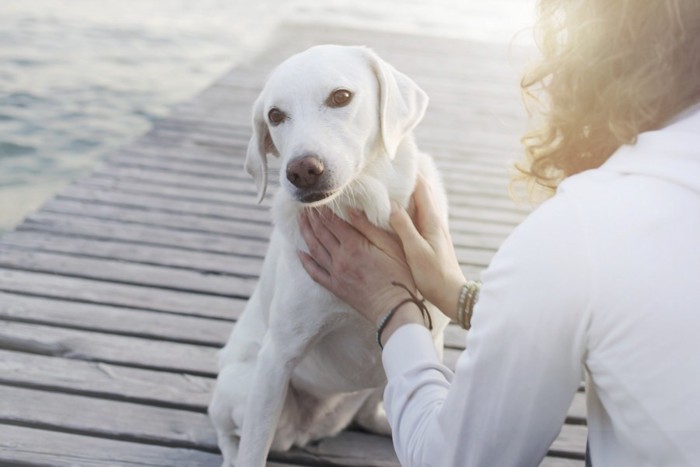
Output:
x=514 y=382
x=513 y=385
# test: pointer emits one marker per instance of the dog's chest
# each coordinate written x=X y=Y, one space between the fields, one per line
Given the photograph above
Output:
x=344 y=360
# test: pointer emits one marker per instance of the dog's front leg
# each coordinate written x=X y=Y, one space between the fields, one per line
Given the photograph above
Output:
x=277 y=359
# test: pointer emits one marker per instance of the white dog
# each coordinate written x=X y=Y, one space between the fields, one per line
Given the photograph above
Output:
x=300 y=364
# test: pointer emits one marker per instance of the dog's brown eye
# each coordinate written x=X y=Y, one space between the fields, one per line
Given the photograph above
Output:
x=339 y=98
x=276 y=116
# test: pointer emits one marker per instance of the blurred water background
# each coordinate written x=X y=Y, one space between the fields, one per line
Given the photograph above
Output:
x=80 y=77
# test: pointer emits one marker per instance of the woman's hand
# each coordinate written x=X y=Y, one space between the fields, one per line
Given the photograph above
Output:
x=358 y=266
x=429 y=251
x=358 y=261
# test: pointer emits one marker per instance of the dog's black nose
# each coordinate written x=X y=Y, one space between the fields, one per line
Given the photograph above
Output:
x=305 y=171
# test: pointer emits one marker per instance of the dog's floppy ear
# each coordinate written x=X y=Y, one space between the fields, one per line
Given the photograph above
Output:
x=259 y=146
x=402 y=103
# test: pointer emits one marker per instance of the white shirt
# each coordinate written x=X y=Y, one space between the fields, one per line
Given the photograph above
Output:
x=602 y=279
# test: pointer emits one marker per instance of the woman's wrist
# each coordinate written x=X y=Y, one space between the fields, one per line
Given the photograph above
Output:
x=406 y=313
x=449 y=298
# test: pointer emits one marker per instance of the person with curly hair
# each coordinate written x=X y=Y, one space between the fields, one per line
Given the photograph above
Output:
x=602 y=279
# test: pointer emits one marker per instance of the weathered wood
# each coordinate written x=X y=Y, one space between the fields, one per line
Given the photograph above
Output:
x=562 y=462
x=240 y=184
x=146 y=235
x=210 y=263
x=229 y=177
x=105 y=380
x=105 y=418
x=343 y=450
x=126 y=273
x=160 y=426
x=570 y=443
x=29 y=446
x=578 y=412
x=128 y=296
x=479 y=227
x=115 y=320
x=179 y=192
x=123 y=350
x=163 y=204
x=179 y=221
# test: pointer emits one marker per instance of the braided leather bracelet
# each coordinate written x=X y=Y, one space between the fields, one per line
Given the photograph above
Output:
x=420 y=303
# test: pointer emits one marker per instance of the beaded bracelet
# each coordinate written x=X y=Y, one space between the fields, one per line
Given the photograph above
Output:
x=468 y=296
x=420 y=303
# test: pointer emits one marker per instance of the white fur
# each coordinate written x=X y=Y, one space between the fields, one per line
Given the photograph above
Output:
x=300 y=364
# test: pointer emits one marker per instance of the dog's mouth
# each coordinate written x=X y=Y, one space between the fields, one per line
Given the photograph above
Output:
x=316 y=196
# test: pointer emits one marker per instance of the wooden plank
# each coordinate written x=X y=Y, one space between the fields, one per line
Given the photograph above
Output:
x=20 y=446
x=143 y=216
x=562 y=462
x=126 y=273
x=123 y=421
x=210 y=263
x=455 y=337
x=571 y=442
x=115 y=349
x=190 y=172
x=129 y=296
x=484 y=214
x=480 y=227
x=148 y=147
x=240 y=183
x=105 y=381
x=474 y=257
x=138 y=423
x=145 y=235
x=177 y=193
x=578 y=412
x=115 y=320
x=157 y=203
x=344 y=450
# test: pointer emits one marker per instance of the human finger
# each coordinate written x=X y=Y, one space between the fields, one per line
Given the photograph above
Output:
x=402 y=224
x=343 y=231
x=319 y=220
x=425 y=217
x=315 y=270
x=316 y=248
x=381 y=238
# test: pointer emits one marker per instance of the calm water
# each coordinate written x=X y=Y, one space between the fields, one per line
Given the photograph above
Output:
x=79 y=77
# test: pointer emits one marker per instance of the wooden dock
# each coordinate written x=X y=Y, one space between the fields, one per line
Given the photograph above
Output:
x=116 y=295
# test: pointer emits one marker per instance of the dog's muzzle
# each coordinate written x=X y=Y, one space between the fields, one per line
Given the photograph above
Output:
x=306 y=173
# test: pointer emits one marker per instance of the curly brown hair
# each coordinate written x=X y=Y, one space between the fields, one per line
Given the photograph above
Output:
x=610 y=70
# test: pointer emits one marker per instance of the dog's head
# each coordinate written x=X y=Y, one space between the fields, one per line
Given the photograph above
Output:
x=327 y=112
